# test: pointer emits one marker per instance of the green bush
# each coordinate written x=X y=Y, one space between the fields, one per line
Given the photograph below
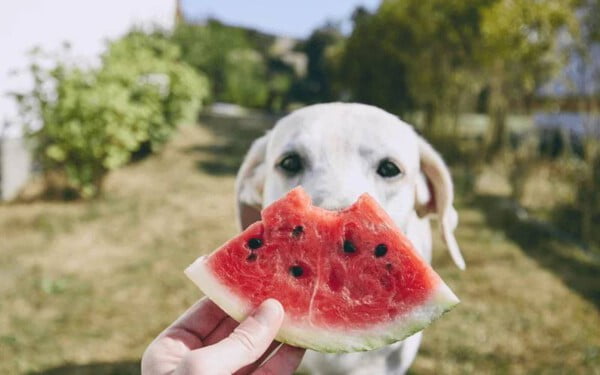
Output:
x=94 y=119
x=246 y=78
x=149 y=64
x=207 y=47
x=243 y=65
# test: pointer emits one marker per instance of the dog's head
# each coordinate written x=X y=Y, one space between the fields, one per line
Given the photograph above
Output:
x=338 y=151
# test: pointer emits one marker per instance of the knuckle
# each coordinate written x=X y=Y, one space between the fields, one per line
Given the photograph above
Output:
x=245 y=339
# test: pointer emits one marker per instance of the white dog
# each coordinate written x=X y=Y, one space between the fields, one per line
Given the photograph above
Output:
x=338 y=151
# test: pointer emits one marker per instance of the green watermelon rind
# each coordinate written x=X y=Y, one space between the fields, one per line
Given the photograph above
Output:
x=325 y=339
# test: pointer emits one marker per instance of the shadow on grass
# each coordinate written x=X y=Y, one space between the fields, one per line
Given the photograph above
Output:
x=568 y=218
x=118 y=368
x=234 y=135
x=552 y=249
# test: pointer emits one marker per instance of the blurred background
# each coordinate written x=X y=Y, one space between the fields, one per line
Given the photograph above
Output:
x=123 y=123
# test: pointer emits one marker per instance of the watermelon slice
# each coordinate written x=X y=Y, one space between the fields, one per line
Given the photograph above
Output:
x=348 y=280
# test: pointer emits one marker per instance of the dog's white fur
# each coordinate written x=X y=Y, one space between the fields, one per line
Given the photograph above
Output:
x=341 y=146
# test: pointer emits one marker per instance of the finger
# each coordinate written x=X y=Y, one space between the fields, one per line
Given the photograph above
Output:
x=285 y=361
x=198 y=321
x=166 y=351
x=245 y=344
x=223 y=330
x=253 y=366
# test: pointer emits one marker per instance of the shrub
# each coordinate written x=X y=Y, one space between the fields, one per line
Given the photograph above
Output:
x=246 y=78
x=93 y=119
x=149 y=64
x=207 y=47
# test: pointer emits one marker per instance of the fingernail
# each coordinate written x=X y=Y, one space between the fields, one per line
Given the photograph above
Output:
x=269 y=312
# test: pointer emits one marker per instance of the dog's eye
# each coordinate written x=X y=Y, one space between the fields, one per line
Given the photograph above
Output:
x=388 y=169
x=291 y=164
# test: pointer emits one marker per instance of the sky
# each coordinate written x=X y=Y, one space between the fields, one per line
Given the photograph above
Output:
x=289 y=18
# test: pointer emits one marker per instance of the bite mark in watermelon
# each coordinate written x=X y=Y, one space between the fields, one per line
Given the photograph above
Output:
x=348 y=280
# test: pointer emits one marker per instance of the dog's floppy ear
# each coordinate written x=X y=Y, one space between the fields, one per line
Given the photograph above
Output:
x=249 y=183
x=435 y=196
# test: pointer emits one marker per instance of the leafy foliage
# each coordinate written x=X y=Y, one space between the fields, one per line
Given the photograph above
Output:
x=370 y=71
x=208 y=47
x=93 y=119
x=322 y=49
x=591 y=19
x=436 y=56
x=149 y=65
x=413 y=54
x=245 y=78
x=239 y=63
x=519 y=40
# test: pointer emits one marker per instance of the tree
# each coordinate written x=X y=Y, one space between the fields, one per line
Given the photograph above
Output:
x=207 y=48
x=280 y=77
x=519 y=40
x=321 y=50
x=588 y=178
x=245 y=80
x=414 y=55
x=591 y=19
x=238 y=62
x=370 y=71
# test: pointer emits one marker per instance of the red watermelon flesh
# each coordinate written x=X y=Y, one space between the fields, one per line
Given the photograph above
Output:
x=348 y=280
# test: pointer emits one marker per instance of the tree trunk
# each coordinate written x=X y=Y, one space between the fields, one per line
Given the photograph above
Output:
x=590 y=202
x=430 y=119
x=497 y=111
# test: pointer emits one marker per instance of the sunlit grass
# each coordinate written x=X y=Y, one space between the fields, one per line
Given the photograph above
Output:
x=84 y=287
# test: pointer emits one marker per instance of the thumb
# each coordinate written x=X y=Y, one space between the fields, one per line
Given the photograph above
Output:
x=246 y=343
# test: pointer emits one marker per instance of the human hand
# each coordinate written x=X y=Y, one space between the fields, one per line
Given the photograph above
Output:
x=205 y=340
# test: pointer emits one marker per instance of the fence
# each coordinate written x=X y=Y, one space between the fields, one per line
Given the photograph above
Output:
x=15 y=166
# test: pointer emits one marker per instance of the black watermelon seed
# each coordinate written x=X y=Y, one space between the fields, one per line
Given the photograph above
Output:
x=349 y=247
x=297 y=231
x=251 y=257
x=296 y=271
x=380 y=250
x=254 y=243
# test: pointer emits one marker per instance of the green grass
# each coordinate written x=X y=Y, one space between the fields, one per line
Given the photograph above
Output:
x=84 y=287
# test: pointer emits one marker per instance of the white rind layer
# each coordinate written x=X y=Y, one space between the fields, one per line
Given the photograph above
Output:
x=326 y=339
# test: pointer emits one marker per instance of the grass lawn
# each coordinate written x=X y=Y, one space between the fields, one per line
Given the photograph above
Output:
x=84 y=287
